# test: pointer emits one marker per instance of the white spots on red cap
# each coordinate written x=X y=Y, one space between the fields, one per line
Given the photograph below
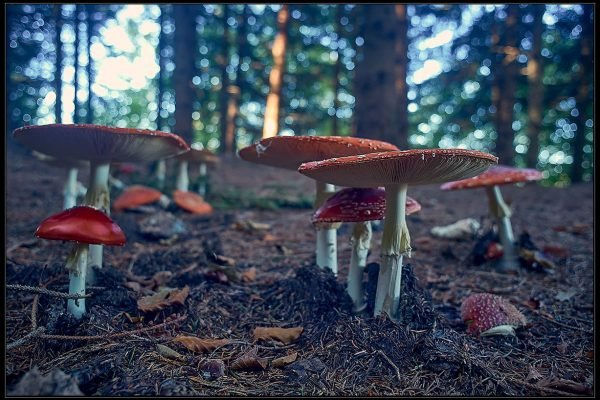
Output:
x=484 y=311
x=496 y=175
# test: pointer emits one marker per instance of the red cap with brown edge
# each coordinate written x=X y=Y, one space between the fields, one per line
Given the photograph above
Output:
x=484 y=311
x=100 y=144
x=290 y=151
x=496 y=175
x=82 y=224
x=357 y=205
x=136 y=195
x=195 y=156
x=192 y=202
x=412 y=167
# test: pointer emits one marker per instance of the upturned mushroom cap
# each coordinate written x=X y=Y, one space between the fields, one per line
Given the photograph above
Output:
x=484 y=311
x=100 y=143
x=496 y=175
x=412 y=167
x=192 y=202
x=195 y=156
x=136 y=195
x=82 y=224
x=57 y=162
x=290 y=151
x=357 y=205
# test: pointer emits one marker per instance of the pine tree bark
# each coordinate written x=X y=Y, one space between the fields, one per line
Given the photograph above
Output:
x=223 y=94
x=76 y=64
x=586 y=60
x=89 y=115
x=376 y=97
x=536 y=88
x=401 y=68
x=185 y=49
x=58 y=21
x=271 y=124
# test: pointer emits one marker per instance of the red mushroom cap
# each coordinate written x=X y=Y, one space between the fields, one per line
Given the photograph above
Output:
x=484 y=311
x=290 y=151
x=412 y=167
x=357 y=205
x=136 y=195
x=496 y=175
x=82 y=224
x=195 y=156
x=100 y=144
x=192 y=202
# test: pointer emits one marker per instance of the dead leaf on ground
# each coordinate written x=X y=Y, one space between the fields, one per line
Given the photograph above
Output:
x=231 y=274
x=224 y=260
x=250 y=361
x=168 y=352
x=284 y=335
x=533 y=375
x=250 y=226
x=199 y=345
x=269 y=238
x=285 y=360
x=163 y=299
x=249 y=275
x=564 y=296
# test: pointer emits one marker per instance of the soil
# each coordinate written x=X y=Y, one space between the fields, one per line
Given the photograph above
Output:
x=242 y=275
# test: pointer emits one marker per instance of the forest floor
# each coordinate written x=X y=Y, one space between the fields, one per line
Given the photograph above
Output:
x=251 y=264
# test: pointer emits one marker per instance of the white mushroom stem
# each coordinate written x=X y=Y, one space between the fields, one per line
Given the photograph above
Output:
x=81 y=190
x=326 y=233
x=395 y=243
x=183 y=182
x=501 y=211
x=98 y=196
x=70 y=192
x=77 y=267
x=202 y=179
x=161 y=172
x=164 y=201
x=360 y=242
x=117 y=183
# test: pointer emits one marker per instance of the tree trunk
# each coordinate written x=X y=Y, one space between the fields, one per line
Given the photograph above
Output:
x=89 y=115
x=506 y=77
x=336 y=70
x=58 y=21
x=271 y=124
x=376 y=96
x=76 y=63
x=160 y=121
x=185 y=51
x=536 y=87
x=223 y=94
x=401 y=68
x=586 y=59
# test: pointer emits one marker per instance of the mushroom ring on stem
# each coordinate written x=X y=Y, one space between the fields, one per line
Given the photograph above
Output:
x=83 y=225
x=100 y=145
x=358 y=205
x=490 y=180
x=396 y=170
x=289 y=152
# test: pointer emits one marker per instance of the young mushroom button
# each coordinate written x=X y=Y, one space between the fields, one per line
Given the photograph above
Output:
x=396 y=170
x=360 y=206
x=289 y=152
x=83 y=225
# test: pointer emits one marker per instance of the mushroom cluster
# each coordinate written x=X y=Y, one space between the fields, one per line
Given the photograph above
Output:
x=396 y=170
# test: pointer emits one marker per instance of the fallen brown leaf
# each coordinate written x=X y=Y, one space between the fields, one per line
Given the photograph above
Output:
x=163 y=299
x=168 y=352
x=285 y=360
x=284 y=335
x=249 y=275
x=250 y=361
x=199 y=345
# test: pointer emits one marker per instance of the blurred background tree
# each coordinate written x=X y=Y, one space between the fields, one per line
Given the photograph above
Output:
x=515 y=80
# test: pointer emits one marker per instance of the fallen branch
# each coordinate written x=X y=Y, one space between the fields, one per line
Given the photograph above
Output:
x=381 y=353
x=33 y=334
x=48 y=292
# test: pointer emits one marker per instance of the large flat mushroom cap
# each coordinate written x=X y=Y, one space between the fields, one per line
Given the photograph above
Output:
x=496 y=175
x=60 y=163
x=82 y=224
x=357 y=205
x=100 y=144
x=195 y=156
x=290 y=151
x=412 y=167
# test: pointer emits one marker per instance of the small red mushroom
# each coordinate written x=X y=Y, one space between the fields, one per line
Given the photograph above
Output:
x=138 y=195
x=192 y=202
x=83 y=225
x=488 y=314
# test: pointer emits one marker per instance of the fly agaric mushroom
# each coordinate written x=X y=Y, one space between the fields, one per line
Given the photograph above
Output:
x=100 y=145
x=487 y=314
x=139 y=195
x=289 y=152
x=359 y=206
x=490 y=180
x=83 y=225
x=73 y=187
x=202 y=157
x=396 y=170
x=192 y=202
